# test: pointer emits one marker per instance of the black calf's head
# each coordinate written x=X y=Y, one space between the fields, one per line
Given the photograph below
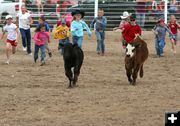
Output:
x=131 y=49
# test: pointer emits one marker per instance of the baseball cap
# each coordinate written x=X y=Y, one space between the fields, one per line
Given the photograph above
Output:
x=8 y=16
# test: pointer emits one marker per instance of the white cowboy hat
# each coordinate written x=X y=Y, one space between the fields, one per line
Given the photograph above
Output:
x=8 y=16
x=125 y=15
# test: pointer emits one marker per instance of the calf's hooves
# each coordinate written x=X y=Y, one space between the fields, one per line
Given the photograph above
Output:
x=133 y=83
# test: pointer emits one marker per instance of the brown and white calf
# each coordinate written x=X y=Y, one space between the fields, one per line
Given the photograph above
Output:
x=136 y=54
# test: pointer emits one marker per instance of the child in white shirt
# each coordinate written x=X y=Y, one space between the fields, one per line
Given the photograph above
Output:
x=12 y=37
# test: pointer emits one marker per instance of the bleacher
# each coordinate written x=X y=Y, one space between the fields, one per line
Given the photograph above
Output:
x=113 y=10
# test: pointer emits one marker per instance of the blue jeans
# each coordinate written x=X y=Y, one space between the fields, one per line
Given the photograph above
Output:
x=36 y=51
x=61 y=43
x=140 y=19
x=26 y=39
x=159 y=45
x=100 y=36
x=77 y=40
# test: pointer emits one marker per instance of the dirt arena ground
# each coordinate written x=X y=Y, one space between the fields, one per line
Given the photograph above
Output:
x=31 y=95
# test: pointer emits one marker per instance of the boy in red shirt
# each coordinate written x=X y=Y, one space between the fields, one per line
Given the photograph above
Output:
x=131 y=30
x=173 y=26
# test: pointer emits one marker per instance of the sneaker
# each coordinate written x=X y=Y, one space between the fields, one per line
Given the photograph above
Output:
x=98 y=53
x=161 y=55
x=24 y=49
x=102 y=54
x=50 y=54
x=7 y=62
x=42 y=63
x=30 y=54
x=35 y=60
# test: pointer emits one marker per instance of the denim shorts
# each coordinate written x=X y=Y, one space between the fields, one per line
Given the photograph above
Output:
x=174 y=36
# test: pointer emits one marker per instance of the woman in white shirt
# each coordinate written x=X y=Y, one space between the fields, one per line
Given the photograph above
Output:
x=24 y=21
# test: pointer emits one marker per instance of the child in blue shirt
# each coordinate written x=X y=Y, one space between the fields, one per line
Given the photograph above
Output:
x=77 y=27
x=100 y=26
x=160 y=32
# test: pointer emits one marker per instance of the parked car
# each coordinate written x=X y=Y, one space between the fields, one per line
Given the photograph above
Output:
x=8 y=7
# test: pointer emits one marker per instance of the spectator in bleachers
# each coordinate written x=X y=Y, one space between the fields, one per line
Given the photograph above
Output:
x=173 y=25
x=140 y=11
x=173 y=6
x=39 y=4
x=157 y=8
x=66 y=17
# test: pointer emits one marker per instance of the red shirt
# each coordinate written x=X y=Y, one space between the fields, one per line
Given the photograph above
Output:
x=173 y=27
x=130 y=31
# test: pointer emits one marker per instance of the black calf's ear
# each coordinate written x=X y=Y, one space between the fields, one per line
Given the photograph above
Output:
x=75 y=44
x=60 y=44
x=137 y=44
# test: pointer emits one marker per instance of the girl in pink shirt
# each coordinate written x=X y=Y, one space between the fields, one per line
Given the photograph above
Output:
x=40 y=37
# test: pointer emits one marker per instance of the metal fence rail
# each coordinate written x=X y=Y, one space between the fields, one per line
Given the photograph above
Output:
x=113 y=10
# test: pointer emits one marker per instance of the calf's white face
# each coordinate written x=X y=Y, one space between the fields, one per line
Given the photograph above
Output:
x=130 y=50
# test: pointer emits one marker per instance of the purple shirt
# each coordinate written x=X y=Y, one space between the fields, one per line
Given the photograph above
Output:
x=141 y=7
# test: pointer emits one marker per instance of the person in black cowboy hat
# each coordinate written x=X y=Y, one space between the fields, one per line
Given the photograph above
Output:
x=77 y=27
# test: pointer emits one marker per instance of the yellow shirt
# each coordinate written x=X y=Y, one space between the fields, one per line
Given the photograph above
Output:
x=61 y=32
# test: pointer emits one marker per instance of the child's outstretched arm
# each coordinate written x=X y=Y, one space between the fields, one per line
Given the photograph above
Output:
x=35 y=37
x=87 y=28
x=92 y=23
x=178 y=24
x=48 y=36
x=168 y=30
x=17 y=32
x=68 y=32
x=154 y=30
x=4 y=31
x=3 y=35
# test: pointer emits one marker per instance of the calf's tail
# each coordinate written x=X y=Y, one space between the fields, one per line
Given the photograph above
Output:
x=141 y=71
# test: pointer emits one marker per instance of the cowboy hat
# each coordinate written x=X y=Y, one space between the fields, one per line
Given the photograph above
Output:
x=78 y=12
x=125 y=15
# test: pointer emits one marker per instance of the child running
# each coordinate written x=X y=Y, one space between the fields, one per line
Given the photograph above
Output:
x=131 y=30
x=62 y=33
x=77 y=27
x=42 y=20
x=173 y=26
x=12 y=37
x=100 y=26
x=160 y=32
x=40 y=37
x=125 y=20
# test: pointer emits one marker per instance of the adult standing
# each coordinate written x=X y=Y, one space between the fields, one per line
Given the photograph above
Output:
x=24 y=21
x=141 y=11
x=173 y=6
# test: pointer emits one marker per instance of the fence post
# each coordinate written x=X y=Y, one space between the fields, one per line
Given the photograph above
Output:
x=165 y=10
x=95 y=8
x=20 y=4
